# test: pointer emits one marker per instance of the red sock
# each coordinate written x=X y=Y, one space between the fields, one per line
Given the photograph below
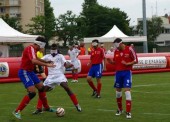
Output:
x=92 y=85
x=119 y=103
x=74 y=99
x=76 y=76
x=23 y=103
x=128 y=105
x=73 y=76
x=43 y=98
x=39 y=104
x=99 y=86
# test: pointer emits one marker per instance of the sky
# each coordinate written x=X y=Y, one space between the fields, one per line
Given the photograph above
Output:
x=133 y=8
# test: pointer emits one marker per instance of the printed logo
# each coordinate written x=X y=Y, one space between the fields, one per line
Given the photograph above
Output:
x=3 y=69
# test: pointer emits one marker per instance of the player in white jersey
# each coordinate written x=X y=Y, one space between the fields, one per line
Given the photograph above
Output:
x=56 y=75
x=73 y=52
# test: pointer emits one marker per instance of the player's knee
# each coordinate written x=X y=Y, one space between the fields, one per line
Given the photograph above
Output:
x=128 y=95
x=42 y=89
x=118 y=94
x=31 y=95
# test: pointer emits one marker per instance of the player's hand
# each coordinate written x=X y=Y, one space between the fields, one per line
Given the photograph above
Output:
x=125 y=63
x=88 y=64
x=51 y=62
x=51 y=65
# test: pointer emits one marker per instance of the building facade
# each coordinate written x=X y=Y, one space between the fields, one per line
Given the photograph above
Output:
x=23 y=9
x=164 y=38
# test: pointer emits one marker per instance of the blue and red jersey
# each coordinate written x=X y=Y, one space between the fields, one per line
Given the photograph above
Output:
x=127 y=55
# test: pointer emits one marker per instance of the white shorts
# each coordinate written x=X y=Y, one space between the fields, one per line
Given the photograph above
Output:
x=53 y=80
x=76 y=64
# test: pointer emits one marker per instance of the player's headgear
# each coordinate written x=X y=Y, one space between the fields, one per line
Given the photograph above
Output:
x=95 y=42
x=117 y=42
x=54 y=50
x=40 y=41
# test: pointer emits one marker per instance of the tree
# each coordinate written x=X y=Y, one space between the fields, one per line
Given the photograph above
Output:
x=14 y=22
x=49 y=20
x=100 y=19
x=43 y=25
x=154 y=29
x=66 y=27
x=38 y=26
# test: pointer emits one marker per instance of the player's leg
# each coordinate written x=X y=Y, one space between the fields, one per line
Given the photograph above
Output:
x=29 y=85
x=118 y=86
x=98 y=75
x=127 y=86
x=90 y=82
x=71 y=94
x=76 y=74
x=39 y=103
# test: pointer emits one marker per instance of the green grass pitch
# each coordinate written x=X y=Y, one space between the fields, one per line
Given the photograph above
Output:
x=150 y=95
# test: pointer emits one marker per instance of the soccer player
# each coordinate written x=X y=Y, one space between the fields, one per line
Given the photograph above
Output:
x=74 y=52
x=96 y=57
x=124 y=58
x=56 y=74
x=29 y=78
x=40 y=70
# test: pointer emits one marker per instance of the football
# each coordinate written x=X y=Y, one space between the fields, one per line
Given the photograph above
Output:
x=60 y=112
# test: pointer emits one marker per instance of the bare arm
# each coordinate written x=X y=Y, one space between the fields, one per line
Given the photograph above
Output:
x=42 y=63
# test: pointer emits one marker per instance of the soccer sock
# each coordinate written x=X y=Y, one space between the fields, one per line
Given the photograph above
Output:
x=73 y=74
x=43 y=98
x=128 y=101
x=73 y=99
x=23 y=103
x=39 y=104
x=76 y=76
x=119 y=100
x=92 y=85
x=99 y=86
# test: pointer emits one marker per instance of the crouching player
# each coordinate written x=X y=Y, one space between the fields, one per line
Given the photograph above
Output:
x=56 y=75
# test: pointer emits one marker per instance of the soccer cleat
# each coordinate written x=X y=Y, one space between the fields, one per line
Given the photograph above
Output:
x=98 y=96
x=78 y=108
x=76 y=81
x=38 y=111
x=94 y=93
x=17 y=114
x=118 y=112
x=49 y=109
x=73 y=81
x=128 y=115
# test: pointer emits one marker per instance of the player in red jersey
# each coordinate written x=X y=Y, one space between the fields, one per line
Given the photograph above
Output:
x=29 y=78
x=124 y=58
x=96 y=57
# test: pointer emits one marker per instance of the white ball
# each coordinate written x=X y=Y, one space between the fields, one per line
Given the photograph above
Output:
x=60 y=112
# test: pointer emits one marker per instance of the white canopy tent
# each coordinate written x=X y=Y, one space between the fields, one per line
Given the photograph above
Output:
x=8 y=35
x=12 y=36
x=116 y=33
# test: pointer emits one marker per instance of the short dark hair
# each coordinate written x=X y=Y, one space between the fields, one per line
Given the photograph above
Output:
x=117 y=40
x=95 y=40
x=40 y=38
x=54 y=46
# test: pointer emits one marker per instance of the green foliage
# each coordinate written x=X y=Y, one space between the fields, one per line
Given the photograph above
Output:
x=14 y=22
x=100 y=19
x=66 y=27
x=49 y=20
x=38 y=26
x=43 y=25
x=154 y=29
x=149 y=94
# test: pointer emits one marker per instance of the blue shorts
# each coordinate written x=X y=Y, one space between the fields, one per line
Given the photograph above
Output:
x=123 y=79
x=28 y=78
x=96 y=71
